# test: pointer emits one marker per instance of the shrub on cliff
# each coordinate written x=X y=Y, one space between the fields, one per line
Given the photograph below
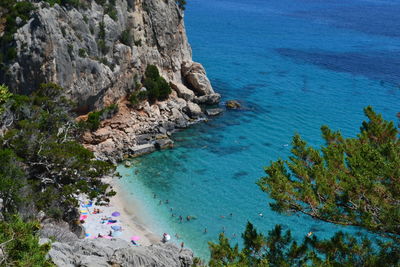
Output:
x=349 y=181
x=19 y=244
x=157 y=87
x=95 y=117
x=42 y=139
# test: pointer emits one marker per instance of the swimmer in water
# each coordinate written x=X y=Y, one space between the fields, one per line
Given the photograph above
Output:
x=310 y=234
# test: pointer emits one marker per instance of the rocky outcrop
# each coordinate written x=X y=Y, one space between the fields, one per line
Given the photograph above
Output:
x=232 y=104
x=98 y=56
x=134 y=132
x=99 y=59
x=117 y=252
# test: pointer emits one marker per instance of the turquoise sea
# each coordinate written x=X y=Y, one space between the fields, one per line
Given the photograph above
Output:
x=294 y=65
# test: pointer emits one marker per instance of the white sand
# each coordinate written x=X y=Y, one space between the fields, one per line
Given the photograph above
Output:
x=131 y=226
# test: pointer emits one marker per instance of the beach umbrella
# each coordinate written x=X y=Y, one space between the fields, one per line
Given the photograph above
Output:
x=167 y=237
x=115 y=214
x=135 y=238
x=116 y=227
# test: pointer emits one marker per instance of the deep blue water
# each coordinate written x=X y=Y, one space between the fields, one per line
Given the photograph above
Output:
x=295 y=65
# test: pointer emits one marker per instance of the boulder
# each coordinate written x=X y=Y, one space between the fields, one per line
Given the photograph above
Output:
x=214 y=111
x=196 y=77
x=193 y=110
x=232 y=104
x=211 y=99
x=117 y=252
x=142 y=149
x=164 y=143
x=183 y=91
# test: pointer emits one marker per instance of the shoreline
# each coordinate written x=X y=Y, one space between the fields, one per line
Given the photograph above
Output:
x=128 y=220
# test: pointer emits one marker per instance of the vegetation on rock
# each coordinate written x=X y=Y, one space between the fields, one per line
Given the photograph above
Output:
x=157 y=87
x=349 y=181
x=45 y=166
x=19 y=244
x=94 y=118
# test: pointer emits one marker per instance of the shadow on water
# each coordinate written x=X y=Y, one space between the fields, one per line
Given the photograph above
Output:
x=374 y=65
x=239 y=174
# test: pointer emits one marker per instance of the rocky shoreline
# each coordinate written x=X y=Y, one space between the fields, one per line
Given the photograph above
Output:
x=136 y=131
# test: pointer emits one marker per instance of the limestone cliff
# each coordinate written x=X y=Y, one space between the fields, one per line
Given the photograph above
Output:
x=98 y=54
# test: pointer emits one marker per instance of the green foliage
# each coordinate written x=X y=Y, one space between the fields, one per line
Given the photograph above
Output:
x=157 y=87
x=12 y=9
x=101 y=43
x=126 y=38
x=5 y=95
x=280 y=250
x=94 y=118
x=137 y=97
x=350 y=181
x=43 y=140
x=181 y=4
x=111 y=11
x=82 y=53
x=20 y=244
x=11 y=180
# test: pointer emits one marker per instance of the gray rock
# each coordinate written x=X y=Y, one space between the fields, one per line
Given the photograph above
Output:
x=142 y=149
x=117 y=252
x=164 y=143
x=193 y=110
x=183 y=91
x=196 y=77
x=214 y=111
x=48 y=49
x=211 y=99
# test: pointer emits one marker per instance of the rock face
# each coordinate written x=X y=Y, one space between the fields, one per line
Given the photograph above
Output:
x=98 y=59
x=117 y=252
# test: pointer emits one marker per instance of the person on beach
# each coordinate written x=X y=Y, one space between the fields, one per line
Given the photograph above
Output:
x=180 y=218
x=182 y=245
x=99 y=235
x=110 y=233
x=205 y=230
x=167 y=201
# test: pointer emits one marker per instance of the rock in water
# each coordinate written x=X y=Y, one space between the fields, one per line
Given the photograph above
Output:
x=128 y=163
x=214 y=111
x=193 y=110
x=232 y=104
x=211 y=99
x=195 y=75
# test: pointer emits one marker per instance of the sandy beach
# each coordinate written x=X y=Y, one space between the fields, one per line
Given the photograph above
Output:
x=102 y=223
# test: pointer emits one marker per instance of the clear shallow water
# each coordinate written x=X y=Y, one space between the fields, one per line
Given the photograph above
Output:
x=295 y=65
